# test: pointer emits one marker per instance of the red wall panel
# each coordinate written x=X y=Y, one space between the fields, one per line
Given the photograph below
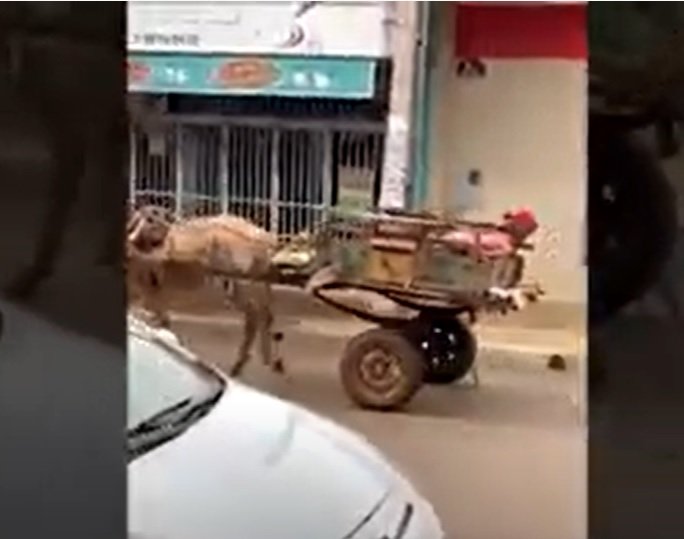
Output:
x=521 y=30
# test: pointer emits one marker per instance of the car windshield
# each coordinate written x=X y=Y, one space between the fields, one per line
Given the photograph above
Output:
x=160 y=379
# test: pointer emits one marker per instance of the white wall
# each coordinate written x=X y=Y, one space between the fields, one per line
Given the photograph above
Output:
x=524 y=127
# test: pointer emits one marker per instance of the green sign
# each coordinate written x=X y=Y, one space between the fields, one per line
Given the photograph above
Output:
x=347 y=78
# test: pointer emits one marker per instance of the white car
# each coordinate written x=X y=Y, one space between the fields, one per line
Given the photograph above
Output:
x=213 y=459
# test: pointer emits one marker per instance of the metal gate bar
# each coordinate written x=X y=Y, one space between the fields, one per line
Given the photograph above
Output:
x=284 y=175
x=275 y=182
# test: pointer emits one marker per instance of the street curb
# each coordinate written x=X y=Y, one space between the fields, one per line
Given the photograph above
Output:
x=540 y=353
x=536 y=342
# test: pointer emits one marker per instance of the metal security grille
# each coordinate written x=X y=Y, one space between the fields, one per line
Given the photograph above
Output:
x=284 y=176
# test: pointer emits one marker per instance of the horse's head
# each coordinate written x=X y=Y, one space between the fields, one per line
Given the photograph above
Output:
x=148 y=227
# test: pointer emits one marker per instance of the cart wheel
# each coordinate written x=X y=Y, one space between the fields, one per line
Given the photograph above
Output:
x=381 y=369
x=448 y=346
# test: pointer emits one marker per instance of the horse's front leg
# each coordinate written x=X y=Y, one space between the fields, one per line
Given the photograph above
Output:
x=145 y=286
x=155 y=304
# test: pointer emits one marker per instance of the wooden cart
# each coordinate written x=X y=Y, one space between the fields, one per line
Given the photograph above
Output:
x=437 y=292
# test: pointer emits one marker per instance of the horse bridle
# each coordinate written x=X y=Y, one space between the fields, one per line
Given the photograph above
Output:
x=147 y=215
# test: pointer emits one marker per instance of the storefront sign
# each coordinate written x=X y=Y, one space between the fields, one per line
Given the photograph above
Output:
x=294 y=28
x=347 y=78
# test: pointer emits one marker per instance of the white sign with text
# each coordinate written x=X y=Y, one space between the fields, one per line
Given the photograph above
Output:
x=297 y=28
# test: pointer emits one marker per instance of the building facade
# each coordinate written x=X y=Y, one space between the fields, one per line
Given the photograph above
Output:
x=272 y=110
x=502 y=123
x=276 y=111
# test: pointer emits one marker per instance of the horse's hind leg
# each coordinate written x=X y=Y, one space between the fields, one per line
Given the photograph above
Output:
x=270 y=357
x=254 y=301
x=263 y=297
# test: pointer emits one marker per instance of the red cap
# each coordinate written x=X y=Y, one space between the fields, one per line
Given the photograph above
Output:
x=523 y=219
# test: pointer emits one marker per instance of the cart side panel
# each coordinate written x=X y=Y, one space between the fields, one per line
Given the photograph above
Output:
x=408 y=254
x=444 y=269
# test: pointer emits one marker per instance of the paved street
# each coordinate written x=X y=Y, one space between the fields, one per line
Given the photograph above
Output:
x=503 y=461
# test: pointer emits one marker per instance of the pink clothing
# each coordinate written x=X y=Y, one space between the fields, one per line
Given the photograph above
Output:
x=501 y=241
x=492 y=244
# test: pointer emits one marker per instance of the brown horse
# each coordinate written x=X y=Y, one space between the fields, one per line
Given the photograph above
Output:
x=169 y=261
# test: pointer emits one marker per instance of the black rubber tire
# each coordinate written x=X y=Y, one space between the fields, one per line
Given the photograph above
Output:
x=389 y=341
x=460 y=360
x=644 y=220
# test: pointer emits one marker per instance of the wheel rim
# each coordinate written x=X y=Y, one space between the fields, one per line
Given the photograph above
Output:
x=380 y=370
x=444 y=346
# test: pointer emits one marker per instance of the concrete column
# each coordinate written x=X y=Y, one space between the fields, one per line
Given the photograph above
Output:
x=401 y=25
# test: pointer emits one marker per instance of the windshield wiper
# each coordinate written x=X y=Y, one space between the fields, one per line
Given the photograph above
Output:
x=176 y=415
x=168 y=424
x=202 y=407
x=159 y=420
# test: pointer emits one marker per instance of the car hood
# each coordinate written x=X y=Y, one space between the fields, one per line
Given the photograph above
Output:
x=256 y=467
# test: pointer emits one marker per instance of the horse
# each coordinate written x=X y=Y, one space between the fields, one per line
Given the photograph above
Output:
x=168 y=257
